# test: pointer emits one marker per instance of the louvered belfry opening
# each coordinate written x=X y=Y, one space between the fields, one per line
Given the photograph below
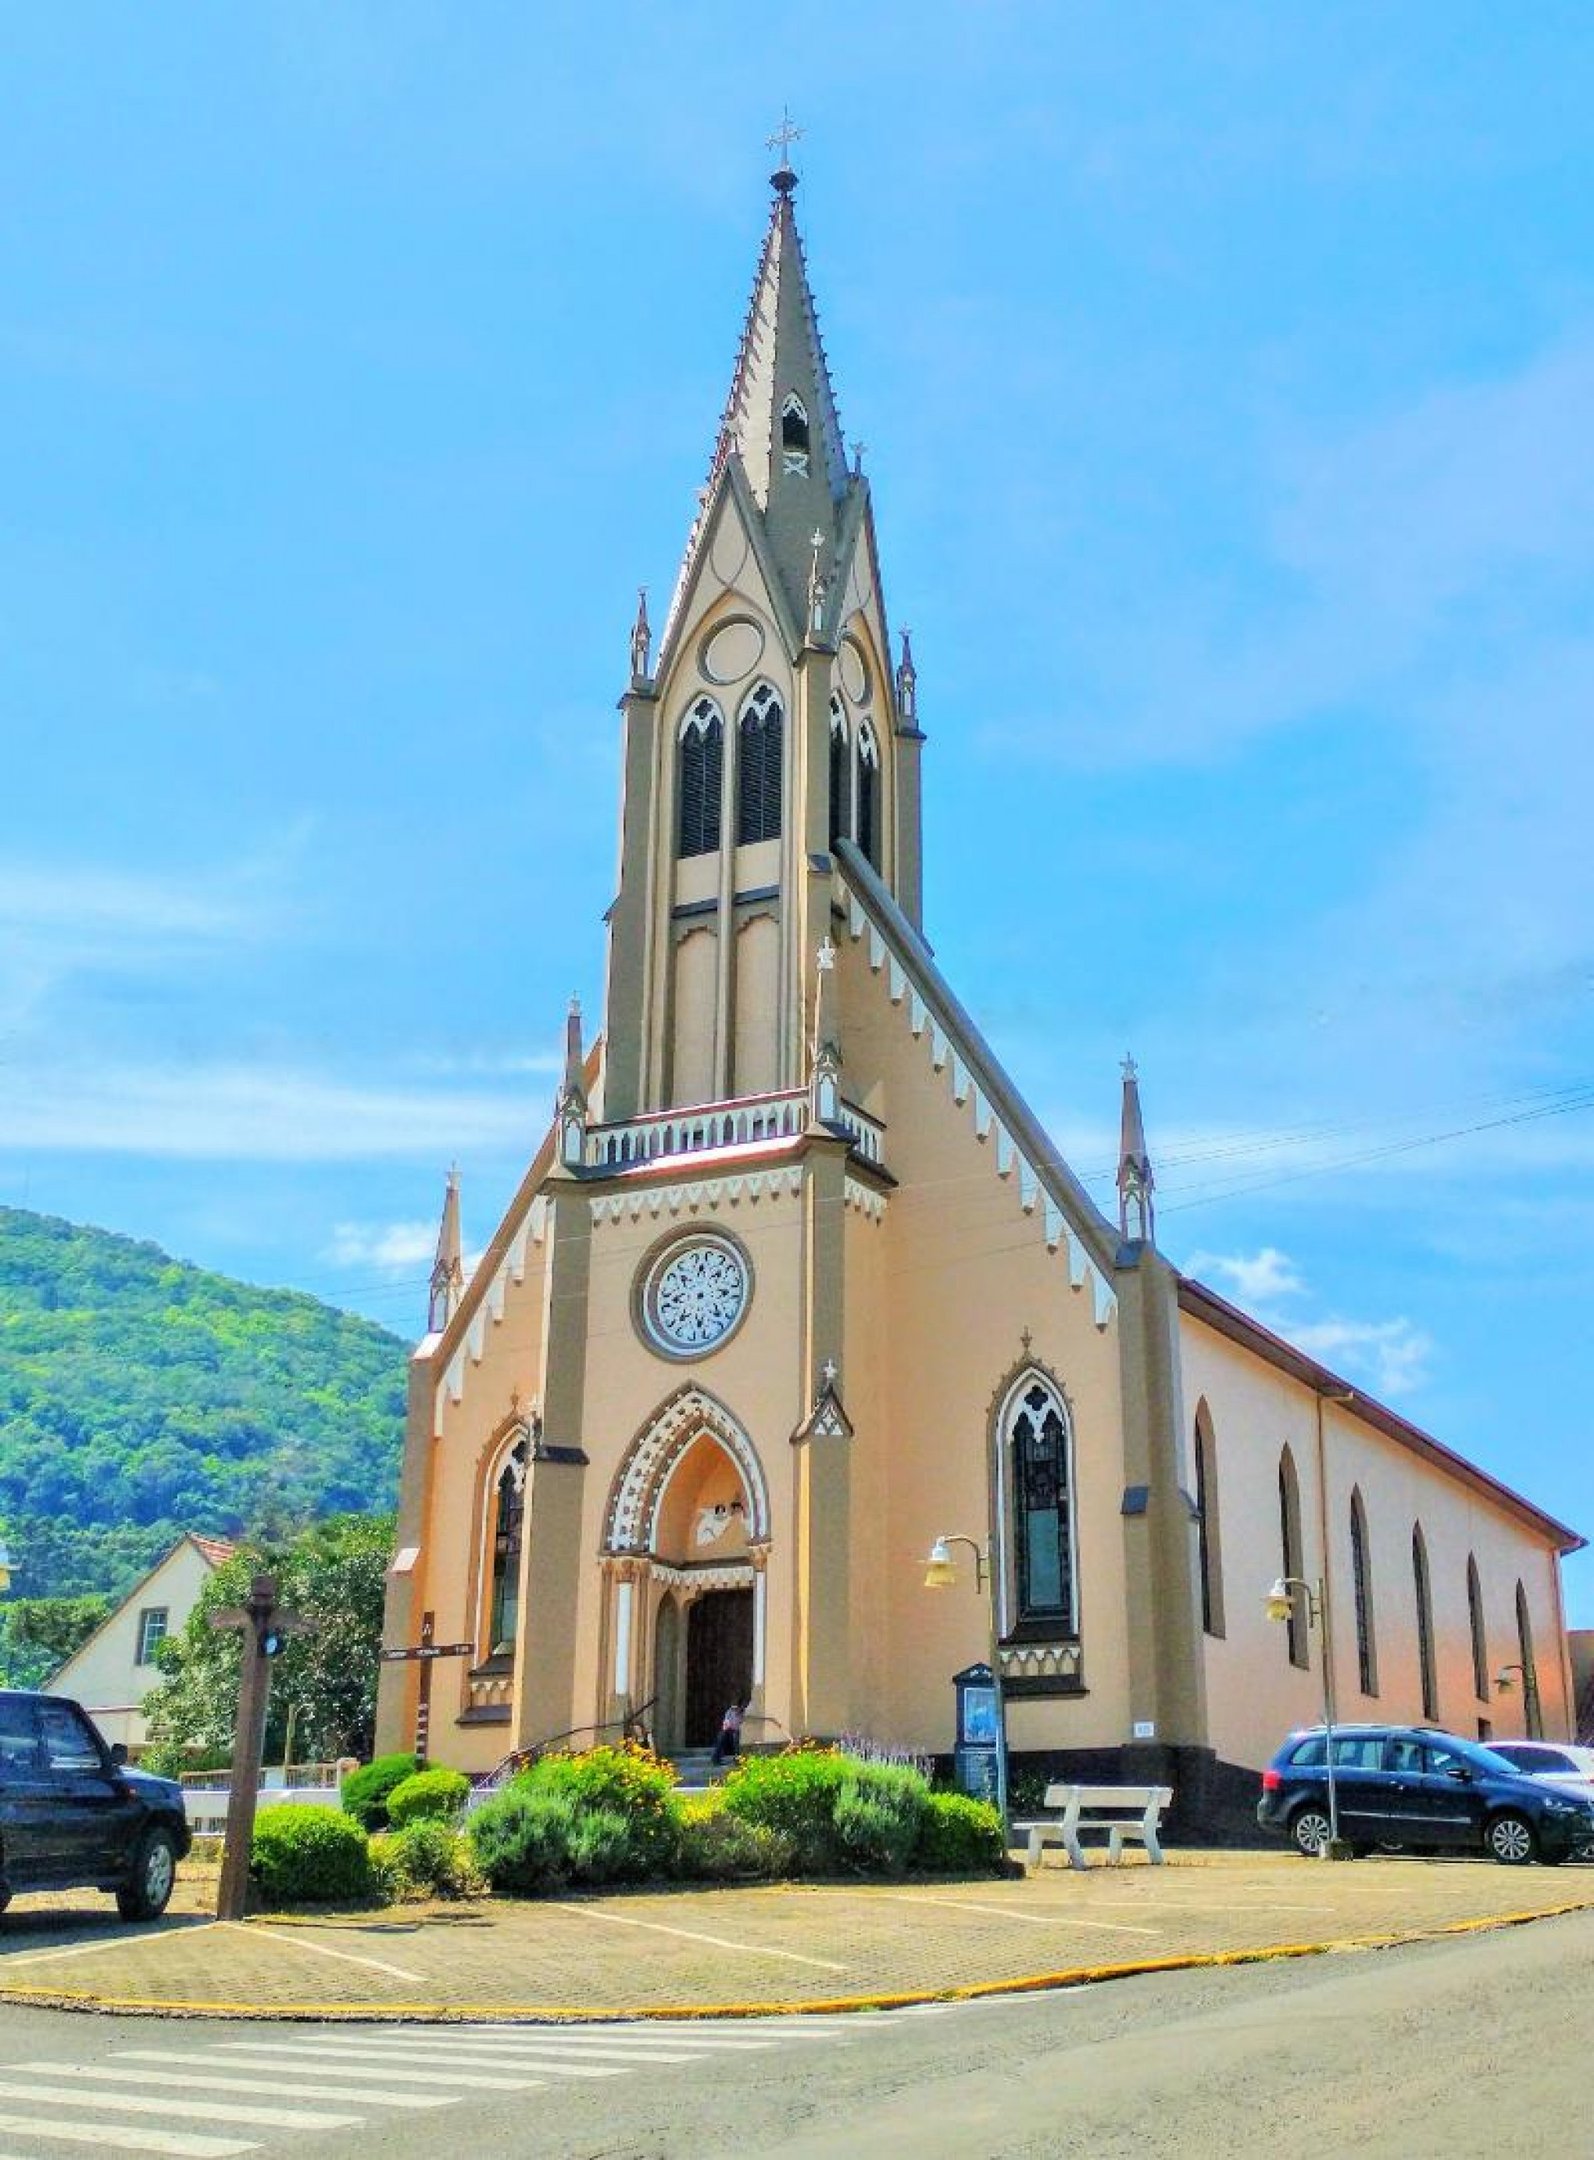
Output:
x=869 y=797
x=759 y=768
x=702 y=764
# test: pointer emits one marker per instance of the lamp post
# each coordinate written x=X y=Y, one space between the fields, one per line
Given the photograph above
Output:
x=1281 y=1606
x=1504 y=1683
x=940 y=1573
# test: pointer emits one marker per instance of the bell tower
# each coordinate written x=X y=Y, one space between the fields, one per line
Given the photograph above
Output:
x=771 y=725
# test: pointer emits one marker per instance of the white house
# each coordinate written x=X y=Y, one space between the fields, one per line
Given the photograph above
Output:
x=115 y=1669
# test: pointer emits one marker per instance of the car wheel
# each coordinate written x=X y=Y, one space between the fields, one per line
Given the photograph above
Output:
x=148 y=1888
x=1511 y=1840
x=1309 y=1828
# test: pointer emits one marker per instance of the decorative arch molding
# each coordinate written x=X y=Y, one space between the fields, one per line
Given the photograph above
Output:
x=631 y=1517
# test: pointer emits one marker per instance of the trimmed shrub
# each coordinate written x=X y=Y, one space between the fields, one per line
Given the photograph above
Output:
x=429 y=1796
x=960 y=1836
x=720 y=1847
x=365 y=1791
x=521 y=1839
x=878 y=1815
x=427 y=1858
x=309 y=1856
x=630 y=1782
x=795 y=1796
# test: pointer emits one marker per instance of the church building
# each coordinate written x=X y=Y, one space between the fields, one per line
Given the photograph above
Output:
x=797 y=1285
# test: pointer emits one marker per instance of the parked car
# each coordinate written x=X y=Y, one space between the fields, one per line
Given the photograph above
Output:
x=74 y=1816
x=1563 y=1764
x=1410 y=1786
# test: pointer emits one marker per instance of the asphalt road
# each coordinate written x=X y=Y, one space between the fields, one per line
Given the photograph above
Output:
x=1468 y=2046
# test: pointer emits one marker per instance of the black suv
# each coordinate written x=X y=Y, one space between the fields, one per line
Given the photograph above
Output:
x=73 y=1816
x=1407 y=1785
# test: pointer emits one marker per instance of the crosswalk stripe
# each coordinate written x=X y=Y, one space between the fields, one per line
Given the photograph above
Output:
x=214 y=2080
x=479 y=2047
x=509 y=2037
x=129 y=2137
x=576 y=2062
x=201 y=2110
x=475 y=2080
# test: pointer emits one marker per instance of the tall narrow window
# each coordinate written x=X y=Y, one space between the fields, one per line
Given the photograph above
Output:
x=1530 y=1678
x=868 y=834
x=793 y=434
x=1361 y=1575
x=758 y=770
x=840 y=760
x=699 y=772
x=503 y=1601
x=1208 y=1530
x=1037 y=1441
x=1480 y=1641
x=1290 y=1554
x=1419 y=1584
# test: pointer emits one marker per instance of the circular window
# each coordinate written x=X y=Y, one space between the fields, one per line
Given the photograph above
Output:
x=855 y=671
x=693 y=1295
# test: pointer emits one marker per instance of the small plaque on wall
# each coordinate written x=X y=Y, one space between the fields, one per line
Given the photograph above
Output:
x=1145 y=1729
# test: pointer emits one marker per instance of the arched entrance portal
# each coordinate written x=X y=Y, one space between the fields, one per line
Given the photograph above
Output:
x=688 y=1538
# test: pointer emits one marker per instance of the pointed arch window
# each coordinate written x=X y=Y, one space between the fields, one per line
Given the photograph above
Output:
x=1290 y=1554
x=758 y=767
x=1530 y=1677
x=1480 y=1641
x=1209 y=1544
x=868 y=833
x=1361 y=1575
x=840 y=760
x=508 y=1516
x=794 y=442
x=1424 y=1600
x=1037 y=1444
x=699 y=777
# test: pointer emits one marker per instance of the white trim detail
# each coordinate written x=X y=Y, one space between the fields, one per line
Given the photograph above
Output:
x=760 y=1591
x=632 y=1515
x=622 y=1637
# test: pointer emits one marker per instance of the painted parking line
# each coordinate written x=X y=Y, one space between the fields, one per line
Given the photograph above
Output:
x=112 y=1942
x=1008 y=1912
x=218 y=2111
x=718 y=1942
x=298 y=1942
x=128 y=2137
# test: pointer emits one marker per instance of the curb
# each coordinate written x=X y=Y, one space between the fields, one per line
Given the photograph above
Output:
x=90 y=2003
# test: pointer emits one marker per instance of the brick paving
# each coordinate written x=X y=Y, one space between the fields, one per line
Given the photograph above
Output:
x=753 y=1948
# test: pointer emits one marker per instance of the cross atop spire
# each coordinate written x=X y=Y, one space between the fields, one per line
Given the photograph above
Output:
x=783 y=179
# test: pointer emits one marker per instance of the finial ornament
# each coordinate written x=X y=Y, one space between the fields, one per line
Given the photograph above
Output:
x=1129 y=1069
x=641 y=638
x=783 y=179
x=816 y=585
x=907 y=684
x=826 y=955
x=829 y=1371
x=858 y=450
x=1027 y=1339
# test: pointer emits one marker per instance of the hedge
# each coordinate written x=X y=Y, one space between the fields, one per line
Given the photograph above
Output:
x=365 y=1791
x=309 y=1856
x=429 y=1796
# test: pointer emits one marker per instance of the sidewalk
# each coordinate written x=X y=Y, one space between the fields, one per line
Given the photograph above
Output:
x=775 y=1947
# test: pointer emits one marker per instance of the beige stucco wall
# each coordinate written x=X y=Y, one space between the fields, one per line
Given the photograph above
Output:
x=1254 y=1693
x=104 y=1674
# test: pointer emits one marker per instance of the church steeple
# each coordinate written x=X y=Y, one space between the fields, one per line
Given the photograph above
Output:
x=1137 y=1217
x=448 y=1269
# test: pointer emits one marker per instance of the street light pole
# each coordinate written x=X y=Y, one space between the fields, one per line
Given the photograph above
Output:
x=1281 y=1606
x=940 y=1574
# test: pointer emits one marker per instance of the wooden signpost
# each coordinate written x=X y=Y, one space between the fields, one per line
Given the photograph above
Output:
x=425 y=1654
x=263 y=1624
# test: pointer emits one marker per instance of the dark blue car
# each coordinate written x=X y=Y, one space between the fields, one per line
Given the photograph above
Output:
x=1408 y=1786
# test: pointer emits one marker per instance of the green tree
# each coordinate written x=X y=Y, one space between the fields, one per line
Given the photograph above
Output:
x=38 y=1634
x=335 y=1574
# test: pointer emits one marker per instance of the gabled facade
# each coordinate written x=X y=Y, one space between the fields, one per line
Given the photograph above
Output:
x=112 y=1672
x=797 y=1283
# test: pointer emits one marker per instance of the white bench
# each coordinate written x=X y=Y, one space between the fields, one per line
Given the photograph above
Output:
x=1123 y=1811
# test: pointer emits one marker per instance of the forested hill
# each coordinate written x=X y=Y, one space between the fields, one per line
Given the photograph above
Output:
x=141 y=1397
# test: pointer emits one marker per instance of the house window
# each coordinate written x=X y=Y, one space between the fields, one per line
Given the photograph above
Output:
x=1037 y=1441
x=793 y=434
x=868 y=834
x=1480 y=1641
x=1420 y=1590
x=151 y=1632
x=1361 y=1572
x=699 y=770
x=840 y=746
x=1290 y=1554
x=1208 y=1541
x=758 y=768
x=503 y=1605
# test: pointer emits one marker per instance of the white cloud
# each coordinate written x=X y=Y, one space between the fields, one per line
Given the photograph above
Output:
x=397 y=1246
x=1258 y=1278
x=1392 y=1354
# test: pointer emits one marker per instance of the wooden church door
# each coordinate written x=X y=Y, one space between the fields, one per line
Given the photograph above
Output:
x=719 y=1660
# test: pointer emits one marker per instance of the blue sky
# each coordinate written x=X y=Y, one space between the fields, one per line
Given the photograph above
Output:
x=1226 y=375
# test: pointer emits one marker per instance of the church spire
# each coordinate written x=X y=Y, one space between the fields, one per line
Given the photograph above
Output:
x=570 y=1108
x=1136 y=1214
x=448 y=1269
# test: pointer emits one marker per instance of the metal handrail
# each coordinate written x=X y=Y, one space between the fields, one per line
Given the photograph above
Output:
x=630 y=1727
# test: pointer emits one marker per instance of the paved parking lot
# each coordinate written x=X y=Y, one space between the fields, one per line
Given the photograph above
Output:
x=755 y=1948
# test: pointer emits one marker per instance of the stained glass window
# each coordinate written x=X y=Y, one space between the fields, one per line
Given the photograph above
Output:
x=1042 y=1509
